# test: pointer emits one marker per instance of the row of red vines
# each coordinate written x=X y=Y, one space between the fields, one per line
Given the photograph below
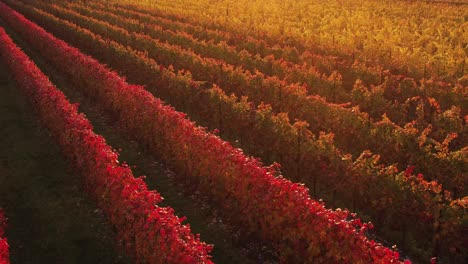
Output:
x=4 y=248
x=152 y=233
x=276 y=209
